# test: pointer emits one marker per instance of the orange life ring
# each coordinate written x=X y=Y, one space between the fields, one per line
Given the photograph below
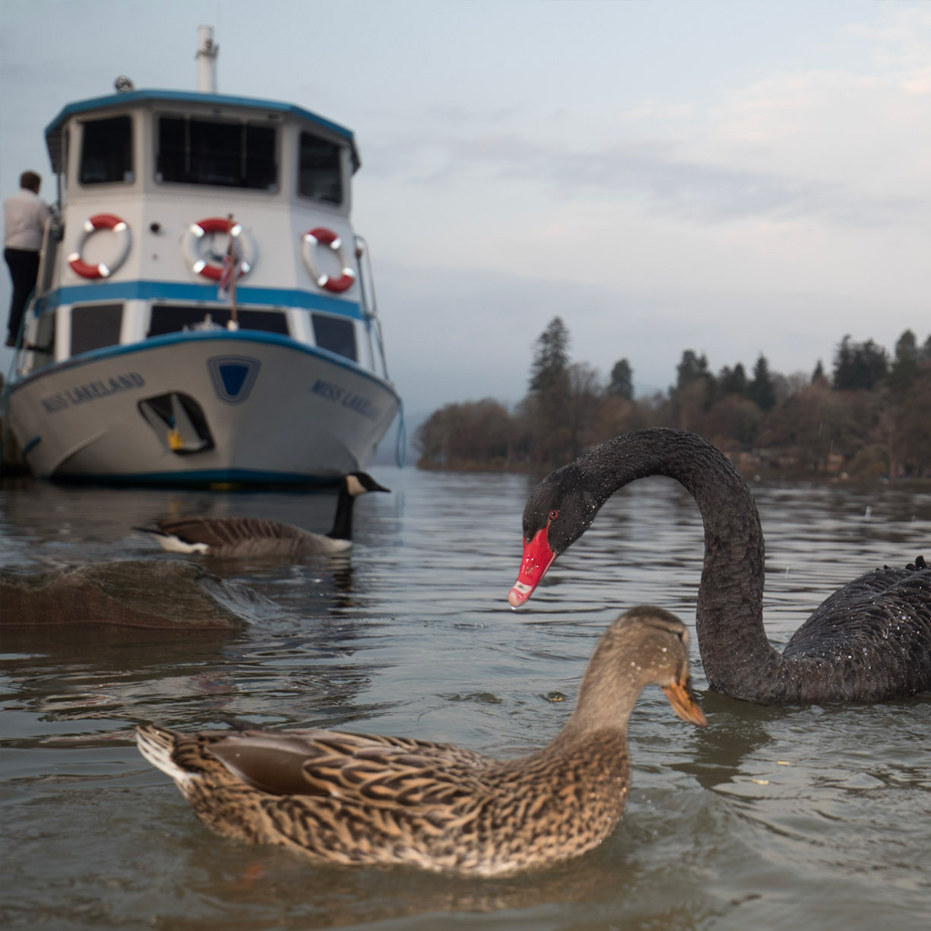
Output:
x=320 y=235
x=101 y=221
x=208 y=266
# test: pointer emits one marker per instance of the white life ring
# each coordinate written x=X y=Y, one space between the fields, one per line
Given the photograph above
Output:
x=207 y=265
x=101 y=221
x=320 y=235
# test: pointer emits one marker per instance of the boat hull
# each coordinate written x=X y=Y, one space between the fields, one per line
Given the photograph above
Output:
x=202 y=408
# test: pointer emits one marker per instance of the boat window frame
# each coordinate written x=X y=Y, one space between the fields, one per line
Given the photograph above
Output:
x=242 y=121
x=336 y=321
x=129 y=177
x=96 y=306
x=220 y=315
x=341 y=150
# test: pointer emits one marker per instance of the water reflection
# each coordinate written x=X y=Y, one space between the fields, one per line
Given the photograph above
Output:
x=770 y=817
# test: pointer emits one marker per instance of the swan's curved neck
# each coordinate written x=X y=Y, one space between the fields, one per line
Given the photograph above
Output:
x=736 y=655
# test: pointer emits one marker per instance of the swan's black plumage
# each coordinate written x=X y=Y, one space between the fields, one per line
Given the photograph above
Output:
x=869 y=641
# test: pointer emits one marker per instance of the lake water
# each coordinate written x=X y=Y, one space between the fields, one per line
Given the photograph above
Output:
x=788 y=817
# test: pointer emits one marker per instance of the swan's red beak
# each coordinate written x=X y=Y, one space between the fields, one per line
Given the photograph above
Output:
x=538 y=557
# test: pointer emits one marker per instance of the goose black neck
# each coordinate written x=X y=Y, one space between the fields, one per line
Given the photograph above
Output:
x=737 y=657
x=342 y=522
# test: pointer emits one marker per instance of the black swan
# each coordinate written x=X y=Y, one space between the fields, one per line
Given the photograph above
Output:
x=255 y=536
x=363 y=799
x=870 y=641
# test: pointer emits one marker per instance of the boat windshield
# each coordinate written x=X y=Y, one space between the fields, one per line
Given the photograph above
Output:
x=170 y=318
x=107 y=151
x=320 y=176
x=216 y=152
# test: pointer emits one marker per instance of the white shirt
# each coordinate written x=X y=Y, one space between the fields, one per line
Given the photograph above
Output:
x=24 y=216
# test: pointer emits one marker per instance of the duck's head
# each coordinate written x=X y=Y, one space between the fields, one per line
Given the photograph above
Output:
x=644 y=646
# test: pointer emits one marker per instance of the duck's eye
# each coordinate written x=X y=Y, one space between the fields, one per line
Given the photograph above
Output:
x=554 y=515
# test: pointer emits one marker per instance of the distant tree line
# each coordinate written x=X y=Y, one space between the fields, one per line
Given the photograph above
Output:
x=871 y=417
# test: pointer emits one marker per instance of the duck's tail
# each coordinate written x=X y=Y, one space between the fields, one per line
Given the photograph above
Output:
x=157 y=745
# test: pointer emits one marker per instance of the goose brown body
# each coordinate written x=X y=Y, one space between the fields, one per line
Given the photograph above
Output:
x=366 y=799
x=869 y=641
x=256 y=536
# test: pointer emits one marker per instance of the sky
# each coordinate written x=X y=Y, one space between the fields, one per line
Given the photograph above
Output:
x=727 y=177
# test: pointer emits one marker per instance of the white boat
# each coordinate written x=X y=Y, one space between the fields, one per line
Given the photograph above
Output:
x=204 y=311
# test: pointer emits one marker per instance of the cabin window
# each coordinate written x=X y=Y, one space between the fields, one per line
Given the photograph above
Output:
x=336 y=334
x=107 y=151
x=94 y=326
x=170 y=318
x=320 y=174
x=224 y=153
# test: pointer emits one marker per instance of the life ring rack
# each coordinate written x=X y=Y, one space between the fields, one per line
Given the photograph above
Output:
x=320 y=235
x=101 y=221
x=206 y=265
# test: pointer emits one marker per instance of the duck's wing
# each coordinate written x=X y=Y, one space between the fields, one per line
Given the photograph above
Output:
x=385 y=772
x=228 y=532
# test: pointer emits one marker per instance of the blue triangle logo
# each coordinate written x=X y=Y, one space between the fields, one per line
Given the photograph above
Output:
x=233 y=377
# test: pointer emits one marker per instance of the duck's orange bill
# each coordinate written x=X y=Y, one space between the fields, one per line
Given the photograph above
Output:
x=684 y=704
x=538 y=557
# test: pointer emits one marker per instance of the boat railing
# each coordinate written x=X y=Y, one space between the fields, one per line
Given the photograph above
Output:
x=370 y=310
x=369 y=303
x=52 y=236
x=29 y=357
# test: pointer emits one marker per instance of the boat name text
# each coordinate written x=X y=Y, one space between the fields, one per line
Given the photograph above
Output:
x=343 y=396
x=92 y=391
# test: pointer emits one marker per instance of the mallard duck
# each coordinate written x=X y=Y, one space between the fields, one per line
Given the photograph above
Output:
x=869 y=641
x=364 y=799
x=254 y=536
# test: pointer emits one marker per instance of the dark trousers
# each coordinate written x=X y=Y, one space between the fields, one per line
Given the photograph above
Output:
x=24 y=269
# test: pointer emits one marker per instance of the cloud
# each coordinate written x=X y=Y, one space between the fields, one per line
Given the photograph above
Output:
x=842 y=147
x=654 y=174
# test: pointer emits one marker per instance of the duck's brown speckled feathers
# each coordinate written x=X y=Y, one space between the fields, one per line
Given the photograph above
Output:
x=365 y=799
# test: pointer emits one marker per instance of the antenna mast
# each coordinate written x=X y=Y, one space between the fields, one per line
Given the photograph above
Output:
x=207 y=51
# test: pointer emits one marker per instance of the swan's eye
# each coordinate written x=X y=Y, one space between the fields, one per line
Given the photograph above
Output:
x=554 y=515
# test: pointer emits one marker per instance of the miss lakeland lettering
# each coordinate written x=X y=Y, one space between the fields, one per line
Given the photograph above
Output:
x=346 y=398
x=92 y=391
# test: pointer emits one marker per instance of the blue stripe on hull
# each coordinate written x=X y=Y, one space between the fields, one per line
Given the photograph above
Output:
x=169 y=339
x=182 y=291
x=202 y=478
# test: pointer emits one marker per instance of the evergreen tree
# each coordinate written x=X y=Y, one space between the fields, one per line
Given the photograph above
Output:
x=551 y=358
x=818 y=377
x=691 y=368
x=907 y=358
x=622 y=380
x=859 y=366
x=906 y=348
x=732 y=381
x=761 y=389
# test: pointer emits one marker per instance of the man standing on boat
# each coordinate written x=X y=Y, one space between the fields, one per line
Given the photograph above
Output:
x=24 y=216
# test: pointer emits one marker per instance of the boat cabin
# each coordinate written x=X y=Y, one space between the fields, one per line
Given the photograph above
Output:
x=158 y=190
